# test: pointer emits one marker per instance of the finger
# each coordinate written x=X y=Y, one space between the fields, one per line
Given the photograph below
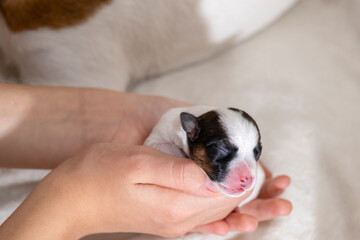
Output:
x=219 y=228
x=274 y=187
x=266 y=209
x=241 y=222
x=268 y=174
x=172 y=172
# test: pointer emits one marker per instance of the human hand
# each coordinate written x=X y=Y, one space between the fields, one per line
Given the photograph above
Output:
x=67 y=120
x=111 y=187
x=135 y=118
x=266 y=207
x=95 y=116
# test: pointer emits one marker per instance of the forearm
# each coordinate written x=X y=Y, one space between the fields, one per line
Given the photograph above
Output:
x=49 y=212
x=42 y=126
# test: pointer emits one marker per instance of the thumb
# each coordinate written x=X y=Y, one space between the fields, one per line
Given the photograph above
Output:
x=180 y=174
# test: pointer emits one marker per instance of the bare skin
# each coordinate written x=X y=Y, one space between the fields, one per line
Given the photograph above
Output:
x=54 y=123
x=46 y=127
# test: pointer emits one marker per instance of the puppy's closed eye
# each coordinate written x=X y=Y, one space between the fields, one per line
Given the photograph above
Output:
x=219 y=150
x=217 y=145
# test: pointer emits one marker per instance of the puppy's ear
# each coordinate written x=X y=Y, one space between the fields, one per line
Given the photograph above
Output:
x=190 y=124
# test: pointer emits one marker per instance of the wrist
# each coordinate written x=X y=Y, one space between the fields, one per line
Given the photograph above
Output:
x=50 y=211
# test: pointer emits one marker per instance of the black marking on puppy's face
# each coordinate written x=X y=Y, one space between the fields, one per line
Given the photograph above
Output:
x=210 y=149
x=258 y=149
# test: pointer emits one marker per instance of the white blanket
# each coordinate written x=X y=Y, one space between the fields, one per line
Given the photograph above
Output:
x=300 y=79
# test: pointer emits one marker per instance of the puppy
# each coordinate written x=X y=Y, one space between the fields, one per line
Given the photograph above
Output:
x=224 y=142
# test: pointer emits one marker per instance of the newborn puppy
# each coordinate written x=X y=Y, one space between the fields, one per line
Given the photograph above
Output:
x=224 y=142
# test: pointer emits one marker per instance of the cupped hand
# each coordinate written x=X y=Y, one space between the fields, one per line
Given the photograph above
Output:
x=139 y=123
x=135 y=122
x=111 y=187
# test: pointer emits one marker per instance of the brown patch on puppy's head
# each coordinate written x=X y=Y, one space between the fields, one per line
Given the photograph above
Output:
x=198 y=154
x=21 y=15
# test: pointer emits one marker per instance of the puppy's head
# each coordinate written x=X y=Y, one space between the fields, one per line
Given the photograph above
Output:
x=226 y=144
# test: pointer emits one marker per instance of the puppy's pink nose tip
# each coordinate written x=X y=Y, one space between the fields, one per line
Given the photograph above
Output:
x=246 y=181
x=240 y=177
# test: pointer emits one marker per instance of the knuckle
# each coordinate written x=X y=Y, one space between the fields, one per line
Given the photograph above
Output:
x=133 y=170
x=138 y=159
x=138 y=154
